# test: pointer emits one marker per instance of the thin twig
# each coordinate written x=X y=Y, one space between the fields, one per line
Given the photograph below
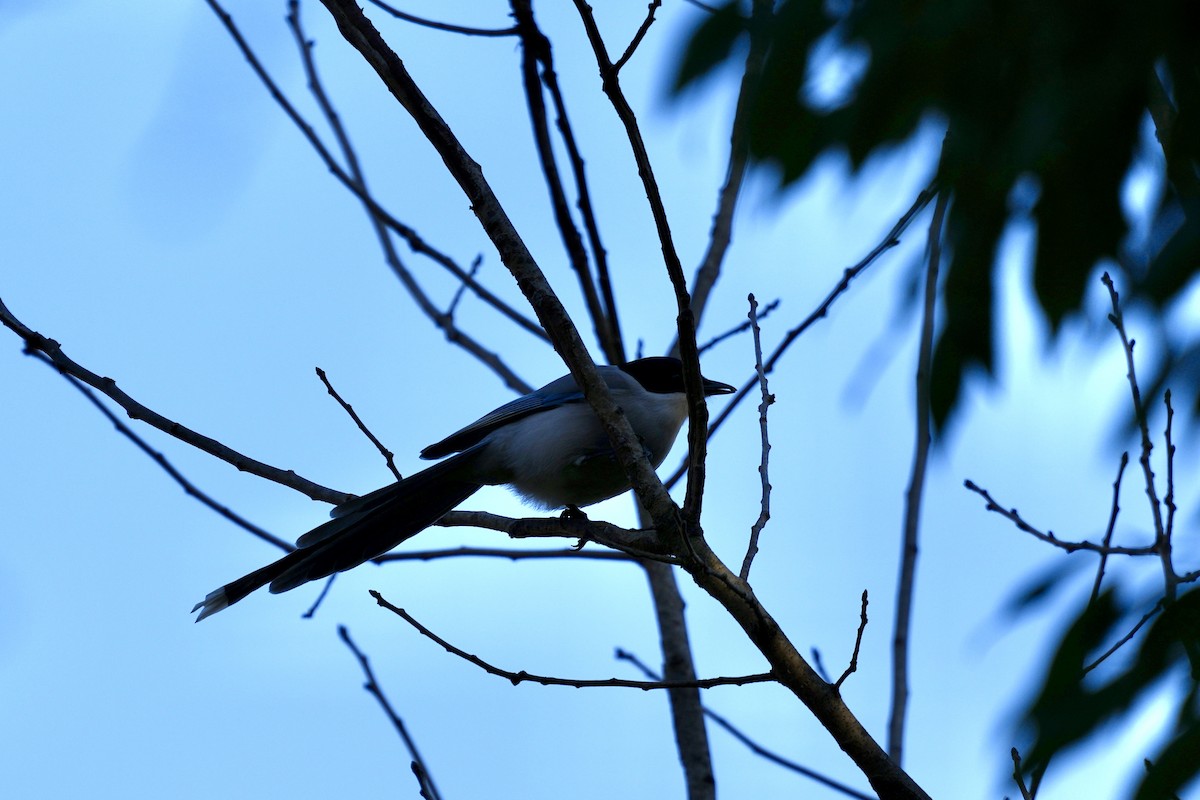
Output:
x=818 y=665
x=906 y=581
x=611 y=340
x=754 y=746
x=164 y=463
x=428 y=789
x=545 y=680
x=511 y=555
x=685 y=318
x=1012 y=515
x=388 y=456
x=443 y=26
x=892 y=239
x=721 y=234
x=1120 y=642
x=1108 y=532
x=476 y=263
x=312 y=610
x=37 y=343
x=1169 y=499
x=862 y=626
x=445 y=322
x=764 y=513
x=414 y=240
x=637 y=37
x=739 y=328
x=1019 y=778
x=1161 y=541
x=535 y=50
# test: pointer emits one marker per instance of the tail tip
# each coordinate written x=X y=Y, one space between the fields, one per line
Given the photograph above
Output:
x=216 y=601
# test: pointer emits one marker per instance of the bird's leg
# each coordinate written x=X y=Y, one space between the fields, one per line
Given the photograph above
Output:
x=574 y=513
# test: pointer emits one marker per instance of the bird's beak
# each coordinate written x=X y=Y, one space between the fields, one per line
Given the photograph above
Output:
x=716 y=387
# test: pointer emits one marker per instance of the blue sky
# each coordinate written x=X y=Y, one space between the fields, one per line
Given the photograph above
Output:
x=163 y=220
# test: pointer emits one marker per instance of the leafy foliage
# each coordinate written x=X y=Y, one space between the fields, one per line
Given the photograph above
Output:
x=1069 y=706
x=1046 y=100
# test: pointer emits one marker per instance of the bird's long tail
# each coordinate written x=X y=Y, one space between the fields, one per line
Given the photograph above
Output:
x=360 y=530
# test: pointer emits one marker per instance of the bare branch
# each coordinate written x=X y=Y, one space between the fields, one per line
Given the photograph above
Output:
x=862 y=626
x=1169 y=500
x=312 y=610
x=388 y=456
x=164 y=463
x=685 y=321
x=36 y=343
x=476 y=263
x=891 y=240
x=443 y=26
x=644 y=544
x=754 y=746
x=721 y=234
x=410 y=236
x=887 y=778
x=511 y=555
x=445 y=322
x=1019 y=778
x=906 y=581
x=1048 y=537
x=1108 y=532
x=545 y=680
x=1121 y=642
x=425 y=780
x=1160 y=535
x=764 y=513
x=741 y=327
x=535 y=50
x=363 y=36
x=637 y=37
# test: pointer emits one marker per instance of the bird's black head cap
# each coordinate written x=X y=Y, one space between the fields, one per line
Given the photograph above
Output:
x=664 y=375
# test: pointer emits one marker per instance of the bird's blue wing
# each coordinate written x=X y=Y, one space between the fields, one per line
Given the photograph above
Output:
x=543 y=399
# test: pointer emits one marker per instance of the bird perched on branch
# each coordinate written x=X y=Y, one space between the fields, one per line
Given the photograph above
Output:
x=548 y=446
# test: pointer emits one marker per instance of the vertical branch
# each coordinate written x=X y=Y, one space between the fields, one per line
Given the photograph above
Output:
x=912 y=500
x=685 y=321
x=1108 y=532
x=365 y=38
x=721 y=233
x=535 y=51
x=767 y=399
x=1162 y=542
x=687 y=712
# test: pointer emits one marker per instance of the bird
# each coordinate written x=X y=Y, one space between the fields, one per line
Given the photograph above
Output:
x=548 y=446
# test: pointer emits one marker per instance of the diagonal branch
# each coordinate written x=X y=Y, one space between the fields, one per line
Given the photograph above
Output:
x=420 y=769
x=754 y=746
x=721 y=234
x=906 y=582
x=363 y=36
x=546 y=680
x=1048 y=537
x=535 y=51
x=167 y=467
x=36 y=343
x=685 y=321
x=892 y=239
x=444 y=321
x=415 y=242
x=443 y=26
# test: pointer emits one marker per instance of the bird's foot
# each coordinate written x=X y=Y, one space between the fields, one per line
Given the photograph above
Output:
x=573 y=512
